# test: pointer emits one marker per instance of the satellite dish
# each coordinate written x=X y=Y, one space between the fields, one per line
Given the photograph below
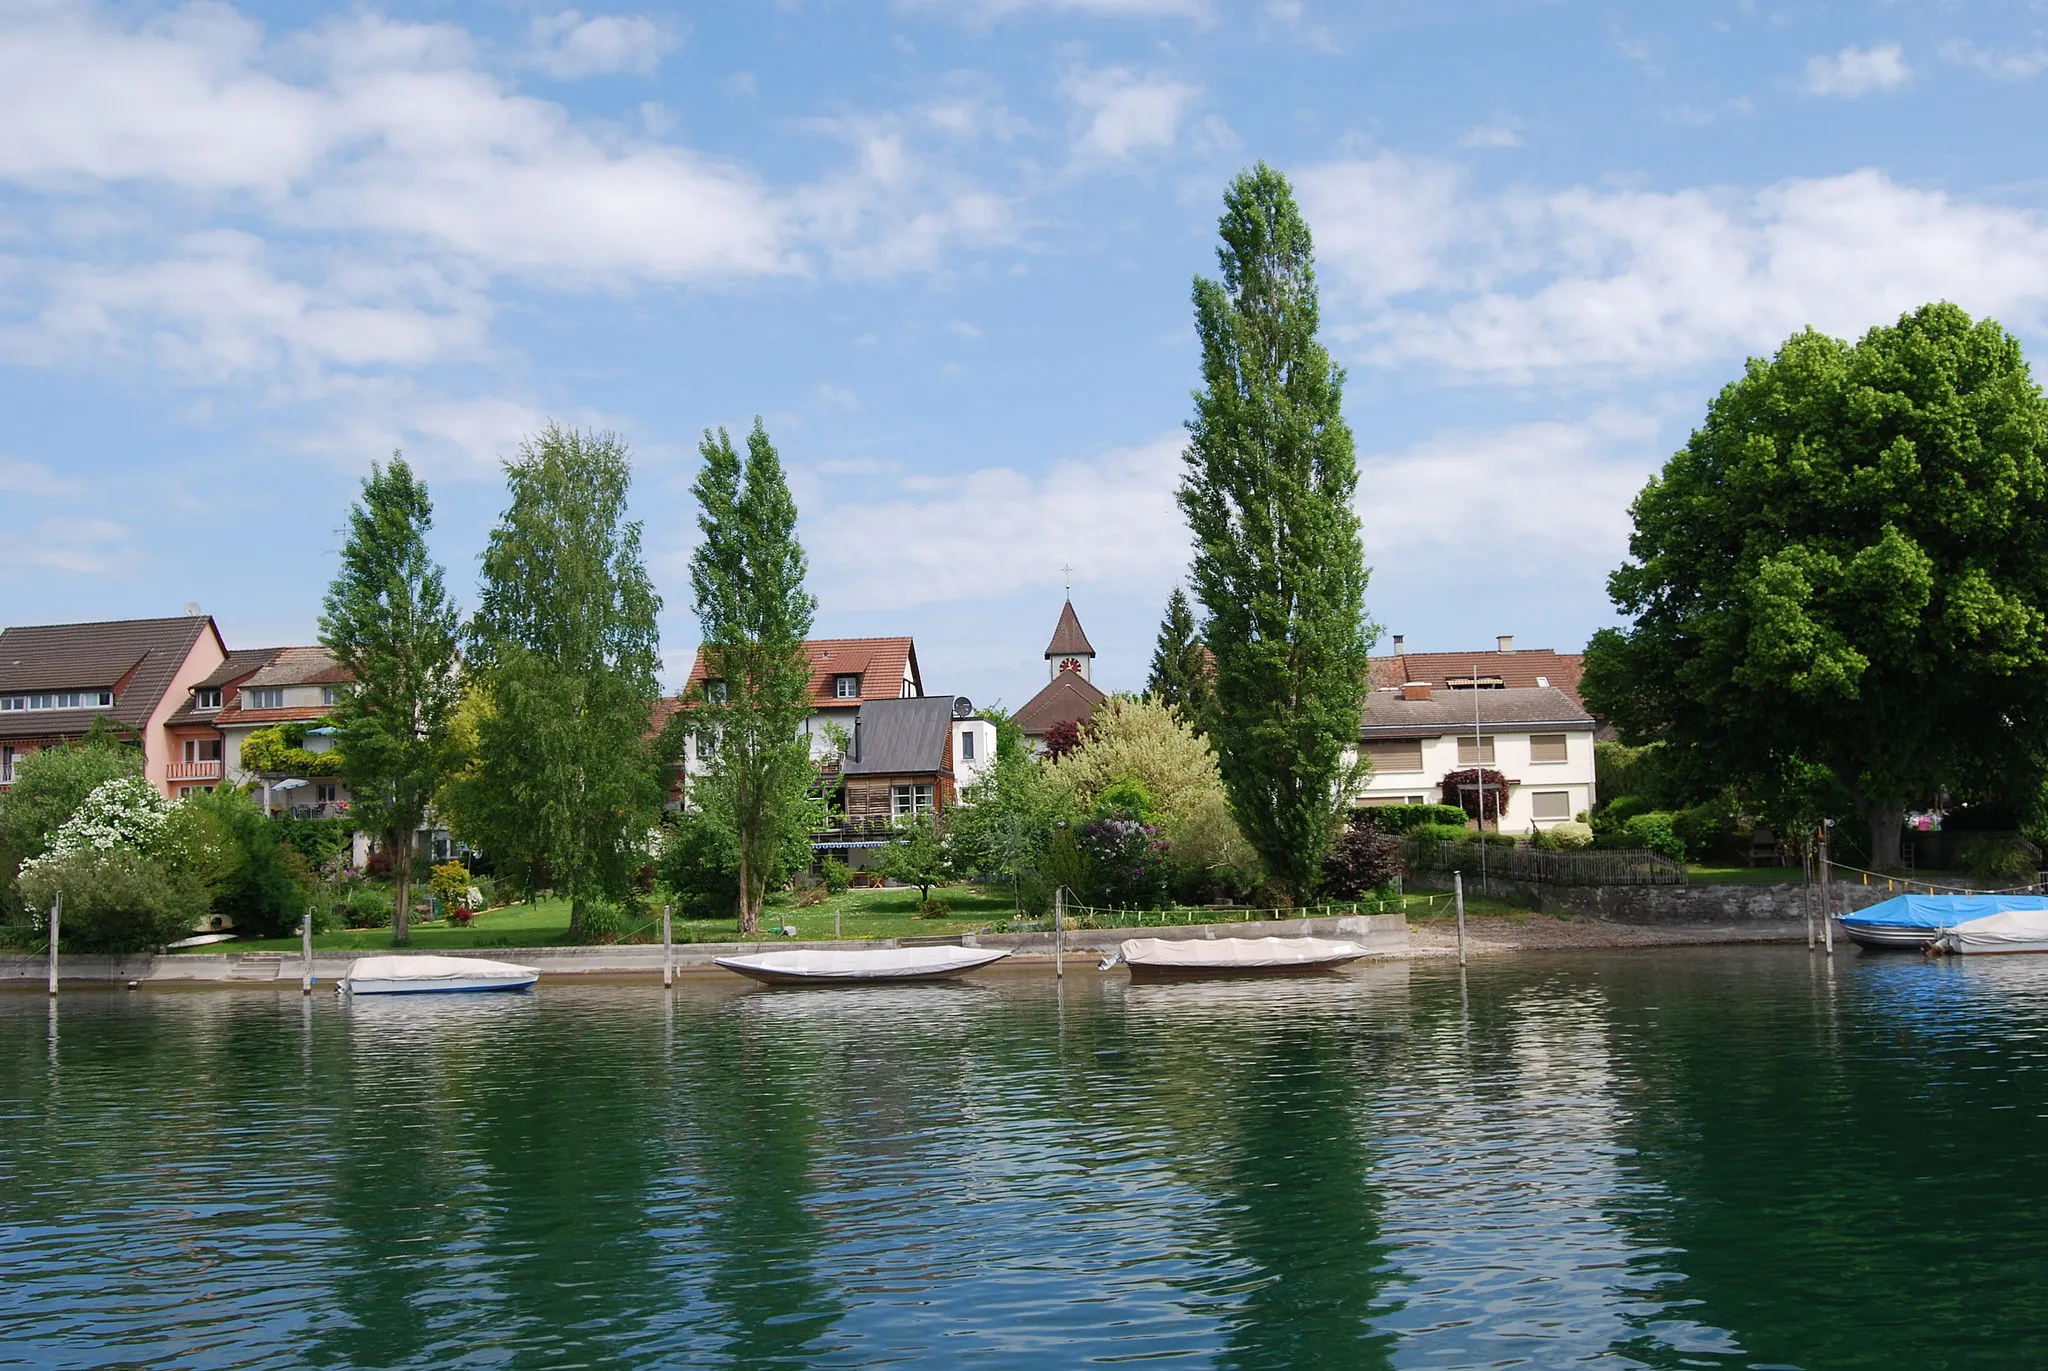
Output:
x=963 y=708
x=192 y=610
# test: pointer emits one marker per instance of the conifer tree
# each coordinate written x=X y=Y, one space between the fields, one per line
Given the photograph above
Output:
x=1180 y=663
x=748 y=576
x=1278 y=565
x=387 y=618
x=566 y=647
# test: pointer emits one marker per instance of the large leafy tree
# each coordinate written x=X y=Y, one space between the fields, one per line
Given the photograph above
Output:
x=748 y=576
x=1180 y=662
x=1845 y=569
x=388 y=619
x=566 y=647
x=1278 y=566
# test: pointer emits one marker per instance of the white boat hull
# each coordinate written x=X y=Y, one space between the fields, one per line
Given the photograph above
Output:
x=863 y=966
x=426 y=975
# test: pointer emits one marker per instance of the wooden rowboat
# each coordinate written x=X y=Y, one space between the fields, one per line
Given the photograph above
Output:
x=1189 y=958
x=864 y=966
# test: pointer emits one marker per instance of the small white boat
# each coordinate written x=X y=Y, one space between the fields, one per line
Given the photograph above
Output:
x=414 y=975
x=2012 y=930
x=819 y=966
x=1160 y=958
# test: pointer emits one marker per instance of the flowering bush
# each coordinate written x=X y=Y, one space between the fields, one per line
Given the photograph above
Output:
x=124 y=812
x=1126 y=859
x=1465 y=789
x=121 y=863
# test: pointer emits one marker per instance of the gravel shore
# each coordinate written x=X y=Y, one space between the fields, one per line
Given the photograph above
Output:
x=1540 y=934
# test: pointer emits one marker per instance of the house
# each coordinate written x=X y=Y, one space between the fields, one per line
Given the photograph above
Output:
x=1537 y=737
x=56 y=679
x=846 y=673
x=1069 y=696
x=907 y=757
x=197 y=749
x=1505 y=668
x=289 y=686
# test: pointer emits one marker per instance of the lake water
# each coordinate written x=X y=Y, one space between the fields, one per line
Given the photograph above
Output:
x=1701 y=1158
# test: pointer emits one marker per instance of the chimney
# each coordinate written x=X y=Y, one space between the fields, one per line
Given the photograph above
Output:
x=1415 y=690
x=856 y=737
x=1506 y=642
x=1400 y=644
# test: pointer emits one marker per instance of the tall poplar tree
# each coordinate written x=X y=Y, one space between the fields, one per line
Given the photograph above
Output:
x=567 y=650
x=388 y=620
x=1180 y=664
x=1278 y=565
x=748 y=576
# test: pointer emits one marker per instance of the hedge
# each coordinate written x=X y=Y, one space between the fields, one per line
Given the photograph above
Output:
x=1407 y=818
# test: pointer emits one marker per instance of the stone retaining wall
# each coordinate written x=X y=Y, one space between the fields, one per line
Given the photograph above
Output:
x=1672 y=904
x=1380 y=933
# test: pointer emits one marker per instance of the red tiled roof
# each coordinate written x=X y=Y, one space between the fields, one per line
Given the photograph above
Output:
x=291 y=714
x=1067 y=638
x=1517 y=670
x=1067 y=698
x=137 y=658
x=879 y=662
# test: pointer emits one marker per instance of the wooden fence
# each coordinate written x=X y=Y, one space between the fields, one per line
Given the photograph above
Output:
x=1546 y=868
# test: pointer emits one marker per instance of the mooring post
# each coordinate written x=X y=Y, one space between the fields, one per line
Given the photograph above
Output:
x=56 y=917
x=1059 y=937
x=668 y=948
x=306 y=953
x=1827 y=891
x=1806 y=894
x=1458 y=894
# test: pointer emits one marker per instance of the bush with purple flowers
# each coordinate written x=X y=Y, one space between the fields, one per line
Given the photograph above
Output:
x=1127 y=860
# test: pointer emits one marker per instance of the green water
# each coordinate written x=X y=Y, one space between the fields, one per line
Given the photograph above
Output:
x=1711 y=1158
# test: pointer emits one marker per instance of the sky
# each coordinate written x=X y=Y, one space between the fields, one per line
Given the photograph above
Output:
x=944 y=249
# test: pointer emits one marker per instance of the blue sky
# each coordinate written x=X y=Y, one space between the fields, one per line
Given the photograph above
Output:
x=945 y=250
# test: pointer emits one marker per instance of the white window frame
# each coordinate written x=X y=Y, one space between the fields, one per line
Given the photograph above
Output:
x=206 y=697
x=261 y=697
x=909 y=801
x=846 y=686
x=966 y=744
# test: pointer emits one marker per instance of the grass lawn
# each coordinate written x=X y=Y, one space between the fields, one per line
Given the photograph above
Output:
x=1741 y=875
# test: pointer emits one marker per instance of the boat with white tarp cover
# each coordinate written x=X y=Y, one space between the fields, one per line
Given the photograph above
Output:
x=414 y=975
x=862 y=966
x=1909 y=923
x=2011 y=930
x=1159 y=958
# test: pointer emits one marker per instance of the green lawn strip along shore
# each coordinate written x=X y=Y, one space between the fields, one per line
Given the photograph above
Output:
x=862 y=914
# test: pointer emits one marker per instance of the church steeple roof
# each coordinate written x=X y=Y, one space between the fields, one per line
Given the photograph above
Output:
x=1067 y=639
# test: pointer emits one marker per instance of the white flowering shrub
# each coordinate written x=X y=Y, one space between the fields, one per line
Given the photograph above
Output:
x=125 y=888
x=124 y=812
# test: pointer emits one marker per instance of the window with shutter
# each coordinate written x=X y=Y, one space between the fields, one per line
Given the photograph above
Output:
x=1551 y=804
x=1547 y=747
x=1475 y=751
x=1403 y=754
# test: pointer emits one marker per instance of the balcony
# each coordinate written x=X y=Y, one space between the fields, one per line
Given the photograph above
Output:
x=193 y=771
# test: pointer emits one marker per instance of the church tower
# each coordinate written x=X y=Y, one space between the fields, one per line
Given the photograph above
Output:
x=1069 y=649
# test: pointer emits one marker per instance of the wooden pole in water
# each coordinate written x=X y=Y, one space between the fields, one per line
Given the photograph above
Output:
x=1458 y=894
x=1806 y=893
x=668 y=948
x=1059 y=941
x=1827 y=891
x=306 y=953
x=56 y=917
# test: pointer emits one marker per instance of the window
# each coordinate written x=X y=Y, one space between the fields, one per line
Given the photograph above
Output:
x=263 y=697
x=908 y=801
x=1475 y=751
x=1376 y=801
x=207 y=697
x=202 y=749
x=1474 y=683
x=966 y=744
x=714 y=690
x=1400 y=754
x=908 y=692
x=326 y=794
x=707 y=746
x=1546 y=747
x=1551 y=804
x=6 y=766
x=63 y=699
x=330 y=695
x=846 y=687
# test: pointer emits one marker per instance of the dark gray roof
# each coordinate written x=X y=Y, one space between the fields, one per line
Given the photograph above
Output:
x=1067 y=638
x=239 y=663
x=1449 y=711
x=147 y=653
x=900 y=737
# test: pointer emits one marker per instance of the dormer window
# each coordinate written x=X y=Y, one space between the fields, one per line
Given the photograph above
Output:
x=63 y=699
x=846 y=687
x=714 y=690
x=263 y=697
x=206 y=697
x=330 y=695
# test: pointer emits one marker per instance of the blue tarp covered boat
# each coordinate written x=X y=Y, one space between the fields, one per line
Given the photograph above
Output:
x=1911 y=922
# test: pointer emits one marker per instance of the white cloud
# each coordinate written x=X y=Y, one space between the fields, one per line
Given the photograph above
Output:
x=33 y=478
x=74 y=546
x=568 y=46
x=1611 y=283
x=1501 y=135
x=837 y=397
x=985 y=10
x=996 y=531
x=2010 y=66
x=1857 y=71
x=1118 y=114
